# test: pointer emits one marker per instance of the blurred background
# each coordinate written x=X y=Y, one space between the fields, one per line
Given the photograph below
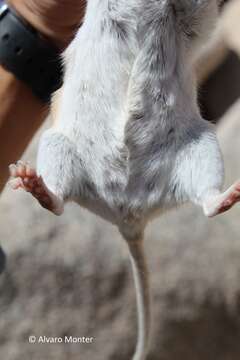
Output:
x=71 y=275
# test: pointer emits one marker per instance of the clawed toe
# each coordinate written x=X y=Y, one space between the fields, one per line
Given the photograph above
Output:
x=21 y=169
x=22 y=176
x=13 y=170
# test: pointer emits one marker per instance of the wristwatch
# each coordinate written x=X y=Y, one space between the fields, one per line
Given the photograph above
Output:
x=28 y=55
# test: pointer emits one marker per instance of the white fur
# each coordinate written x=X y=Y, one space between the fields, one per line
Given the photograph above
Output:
x=129 y=140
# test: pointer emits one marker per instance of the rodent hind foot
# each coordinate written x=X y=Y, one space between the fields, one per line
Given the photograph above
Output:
x=23 y=176
x=220 y=203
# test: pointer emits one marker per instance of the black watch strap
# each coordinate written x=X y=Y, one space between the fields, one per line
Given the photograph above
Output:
x=30 y=57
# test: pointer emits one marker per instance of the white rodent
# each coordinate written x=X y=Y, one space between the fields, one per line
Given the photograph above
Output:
x=128 y=141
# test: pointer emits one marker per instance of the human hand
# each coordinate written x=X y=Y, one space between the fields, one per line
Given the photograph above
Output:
x=57 y=19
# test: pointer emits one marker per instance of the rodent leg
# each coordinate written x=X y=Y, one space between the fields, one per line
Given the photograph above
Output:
x=58 y=170
x=25 y=177
x=216 y=203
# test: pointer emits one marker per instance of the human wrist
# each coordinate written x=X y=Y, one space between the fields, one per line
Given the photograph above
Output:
x=27 y=11
x=55 y=19
x=28 y=55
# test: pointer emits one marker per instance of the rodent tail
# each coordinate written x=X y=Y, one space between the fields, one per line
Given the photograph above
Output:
x=141 y=279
